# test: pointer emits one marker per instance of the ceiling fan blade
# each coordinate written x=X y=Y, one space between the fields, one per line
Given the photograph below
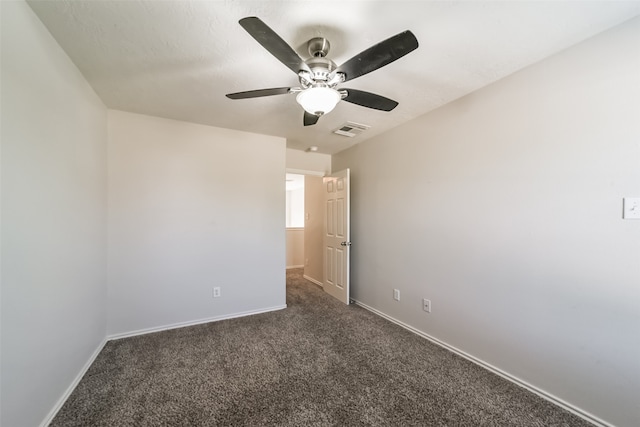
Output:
x=369 y=100
x=379 y=55
x=273 y=43
x=310 y=119
x=258 y=93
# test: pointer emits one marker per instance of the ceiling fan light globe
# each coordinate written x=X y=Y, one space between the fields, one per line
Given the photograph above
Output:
x=318 y=100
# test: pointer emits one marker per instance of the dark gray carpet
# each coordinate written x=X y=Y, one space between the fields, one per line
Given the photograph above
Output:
x=317 y=363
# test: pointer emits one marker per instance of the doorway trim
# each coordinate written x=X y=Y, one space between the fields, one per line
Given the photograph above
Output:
x=305 y=172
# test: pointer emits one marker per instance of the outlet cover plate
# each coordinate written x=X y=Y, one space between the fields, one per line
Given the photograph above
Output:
x=631 y=208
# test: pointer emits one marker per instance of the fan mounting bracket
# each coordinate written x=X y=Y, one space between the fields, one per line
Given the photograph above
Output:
x=318 y=47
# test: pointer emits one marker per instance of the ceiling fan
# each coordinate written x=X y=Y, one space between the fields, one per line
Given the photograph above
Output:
x=319 y=76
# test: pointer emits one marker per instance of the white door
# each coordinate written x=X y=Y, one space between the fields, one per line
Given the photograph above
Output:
x=336 y=241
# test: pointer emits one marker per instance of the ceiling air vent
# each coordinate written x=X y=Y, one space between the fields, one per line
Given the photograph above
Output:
x=351 y=129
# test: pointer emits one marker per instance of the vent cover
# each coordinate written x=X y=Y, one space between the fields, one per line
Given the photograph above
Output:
x=351 y=129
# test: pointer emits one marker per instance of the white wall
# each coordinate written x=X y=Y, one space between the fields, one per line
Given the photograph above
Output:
x=313 y=228
x=299 y=161
x=295 y=247
x=504 y=208
x=53 y=220
x=192 y=207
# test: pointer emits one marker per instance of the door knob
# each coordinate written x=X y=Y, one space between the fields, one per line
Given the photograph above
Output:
x=345 y=243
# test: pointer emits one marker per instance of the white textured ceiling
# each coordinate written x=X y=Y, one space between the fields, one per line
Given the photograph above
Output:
x=177 y=59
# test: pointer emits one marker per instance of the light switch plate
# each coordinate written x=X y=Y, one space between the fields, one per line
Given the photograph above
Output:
x=631 y=208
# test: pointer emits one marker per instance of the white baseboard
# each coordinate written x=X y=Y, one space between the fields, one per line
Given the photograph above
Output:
x=547 y=396
x=569 y=407
x=192 y=323
x=54 y=411
x=294 y=266
x=312 y=280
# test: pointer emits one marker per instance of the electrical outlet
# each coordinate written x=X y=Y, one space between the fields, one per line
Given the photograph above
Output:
x=426 y=305
x=396 y=294
x=216 y=292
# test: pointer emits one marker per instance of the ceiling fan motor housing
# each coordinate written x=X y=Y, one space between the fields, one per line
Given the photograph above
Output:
x=321 y=68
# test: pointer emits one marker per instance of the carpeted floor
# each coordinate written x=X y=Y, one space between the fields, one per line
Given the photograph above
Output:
x=316 y=363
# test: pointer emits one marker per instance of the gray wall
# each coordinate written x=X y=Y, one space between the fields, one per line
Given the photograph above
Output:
x=189 y=207
x=504 y=208
x=192 y=207
x=54 y=135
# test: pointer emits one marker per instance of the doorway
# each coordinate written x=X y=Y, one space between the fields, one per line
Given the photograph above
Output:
x=295 y=220
x=318 y=237
x=304 y=240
